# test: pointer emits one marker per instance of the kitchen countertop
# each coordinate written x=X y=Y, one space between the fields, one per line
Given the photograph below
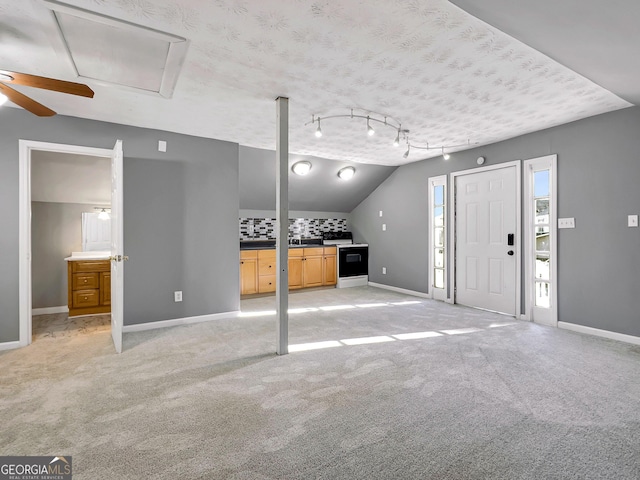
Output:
x=271 y=245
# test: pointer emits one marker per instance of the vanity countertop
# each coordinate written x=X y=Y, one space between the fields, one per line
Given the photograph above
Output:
x=79 y=256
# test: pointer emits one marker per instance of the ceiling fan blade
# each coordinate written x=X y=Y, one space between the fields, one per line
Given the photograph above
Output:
x=26 y=102
x=47 y=83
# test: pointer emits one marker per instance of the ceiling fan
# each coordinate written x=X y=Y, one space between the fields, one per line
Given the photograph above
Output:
x=38 y=82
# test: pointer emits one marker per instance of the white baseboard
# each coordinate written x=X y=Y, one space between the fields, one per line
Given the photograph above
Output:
x=50 y=310
x=179 y=321
x=621 y=337
x=9 y=345
x=399 y=290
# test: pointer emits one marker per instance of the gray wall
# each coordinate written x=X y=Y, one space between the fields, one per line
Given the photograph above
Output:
x=180 y=216
x=598 y=261
x=319 y=190
x=56 y=231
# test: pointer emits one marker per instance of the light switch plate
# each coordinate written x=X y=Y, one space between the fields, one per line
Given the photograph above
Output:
x=384 y=270
x=632 y=220
x=569 y=222
x=162 y=146
x=177 y=296
x=380 y=212
x=384 y=227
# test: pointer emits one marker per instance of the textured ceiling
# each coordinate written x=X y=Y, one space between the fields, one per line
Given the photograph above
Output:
x=447 y=76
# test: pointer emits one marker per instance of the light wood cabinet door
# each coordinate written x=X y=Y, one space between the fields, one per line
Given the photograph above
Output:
x=312 y=271
x=105 y=288
x=248 y=276
x=295 y=272
x=330 y=270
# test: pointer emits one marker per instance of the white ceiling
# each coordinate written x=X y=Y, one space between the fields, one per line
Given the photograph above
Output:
x=66 y=178
x=447 y=76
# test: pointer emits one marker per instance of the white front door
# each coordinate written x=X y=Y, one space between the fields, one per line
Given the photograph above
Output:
x=117 y=256
x=486 y=216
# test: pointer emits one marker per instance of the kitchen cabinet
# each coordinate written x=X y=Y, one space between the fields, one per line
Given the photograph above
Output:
x=329 y=267
x=89 y=287
x=308 y=267
x=248 y=272
x=312 y=267
x=295 y=268
x=266 y=271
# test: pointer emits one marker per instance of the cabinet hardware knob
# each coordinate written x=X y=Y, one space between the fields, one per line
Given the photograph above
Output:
x=85 y=298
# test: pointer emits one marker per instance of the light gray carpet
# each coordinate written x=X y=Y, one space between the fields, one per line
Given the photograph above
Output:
x=493 y=398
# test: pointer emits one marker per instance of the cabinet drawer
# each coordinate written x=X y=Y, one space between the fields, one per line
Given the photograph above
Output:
x=86 y=298
x=330 y=250
x=266 y=267
x=296 y=252
x=313 y=252
x=84 y=281
x=248 y=254
x=267 y=255
x=91 y=266
x=267 y=283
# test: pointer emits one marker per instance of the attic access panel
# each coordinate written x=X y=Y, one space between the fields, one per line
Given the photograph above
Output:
x=116 y=52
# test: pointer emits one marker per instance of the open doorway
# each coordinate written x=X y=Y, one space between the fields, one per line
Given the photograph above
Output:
x=70 y=230
x=100 y=271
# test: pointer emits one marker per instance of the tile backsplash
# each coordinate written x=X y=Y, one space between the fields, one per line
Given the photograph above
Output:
x=265 y=228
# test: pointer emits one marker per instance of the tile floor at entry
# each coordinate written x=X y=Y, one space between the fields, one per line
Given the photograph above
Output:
x=59 y=325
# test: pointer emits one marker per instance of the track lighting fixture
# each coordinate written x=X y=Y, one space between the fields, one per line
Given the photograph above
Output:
x=346 y=173
x=401 y=133
x=301 y=168
x=370 y=130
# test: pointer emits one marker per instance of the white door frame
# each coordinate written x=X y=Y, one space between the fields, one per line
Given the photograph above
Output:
x=24 y=222
x=452 y=226
x=533 y=313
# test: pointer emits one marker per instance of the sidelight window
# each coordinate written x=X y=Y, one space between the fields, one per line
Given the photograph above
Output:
x=437 y=237
x=540 y=239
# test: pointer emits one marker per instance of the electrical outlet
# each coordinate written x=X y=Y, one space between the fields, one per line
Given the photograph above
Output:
x=162 y=146
x=384 y=270
x=380 y=212
x=567 y=222
x=384 y=227
x=632 y=220
x=177 y=296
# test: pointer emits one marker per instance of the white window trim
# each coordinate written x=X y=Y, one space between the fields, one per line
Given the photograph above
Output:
x=438 y=293
x=546 y=316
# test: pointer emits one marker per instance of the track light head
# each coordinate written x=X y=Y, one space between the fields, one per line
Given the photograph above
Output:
x=318 y=130
x=370 y=130
x=406 y=154
x=445 y=155
x=396 y=142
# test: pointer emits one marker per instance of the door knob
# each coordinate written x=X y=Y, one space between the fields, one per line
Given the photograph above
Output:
x=510 y=252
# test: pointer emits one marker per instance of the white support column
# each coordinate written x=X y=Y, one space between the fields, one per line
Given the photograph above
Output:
x=282 y=224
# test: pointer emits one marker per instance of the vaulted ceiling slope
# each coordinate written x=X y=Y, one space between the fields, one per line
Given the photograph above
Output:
x=599 y=40
x=447 y=76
